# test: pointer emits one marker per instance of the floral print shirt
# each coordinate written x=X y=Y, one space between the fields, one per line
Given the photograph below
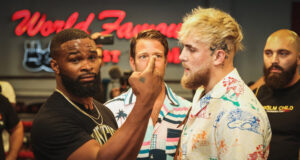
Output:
x=227 y=123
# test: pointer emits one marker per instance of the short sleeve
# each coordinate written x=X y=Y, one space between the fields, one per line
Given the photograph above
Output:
x=11 y=116
x=240 y=135
x=61 y=137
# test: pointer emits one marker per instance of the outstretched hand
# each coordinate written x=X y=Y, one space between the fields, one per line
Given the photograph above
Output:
x=146 y=85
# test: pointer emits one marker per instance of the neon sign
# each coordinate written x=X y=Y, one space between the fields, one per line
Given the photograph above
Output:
x=37 y=23
x=37 y=59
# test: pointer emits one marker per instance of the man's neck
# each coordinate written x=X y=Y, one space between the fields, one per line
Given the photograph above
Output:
x=86 y=101
x=216 y=76
x=294 y=80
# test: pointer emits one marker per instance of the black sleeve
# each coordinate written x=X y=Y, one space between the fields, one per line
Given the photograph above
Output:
x=56 y=137
x=11 y=117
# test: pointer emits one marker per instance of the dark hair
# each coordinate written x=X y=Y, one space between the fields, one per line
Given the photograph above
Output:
x=149 y=34
x=64 y=36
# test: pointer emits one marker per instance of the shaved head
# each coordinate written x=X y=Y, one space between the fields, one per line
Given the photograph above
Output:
x=282 y=59
x=286 y=35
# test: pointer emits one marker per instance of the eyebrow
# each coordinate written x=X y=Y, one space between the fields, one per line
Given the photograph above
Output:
x=280 y=50
x=188 y=46
x=77 y=52
x=155 y=52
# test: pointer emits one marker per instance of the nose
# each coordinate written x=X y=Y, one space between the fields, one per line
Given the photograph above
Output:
x=275 y=58
x=86 y=66
x=183 y=56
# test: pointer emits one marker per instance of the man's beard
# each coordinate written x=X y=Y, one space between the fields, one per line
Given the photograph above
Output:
x=279 y=80
x=81 y=89
x=196 y=80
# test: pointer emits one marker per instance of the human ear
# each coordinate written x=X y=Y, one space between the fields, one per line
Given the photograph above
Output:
x=54 y=66
x=132 y=63
x=219 y=57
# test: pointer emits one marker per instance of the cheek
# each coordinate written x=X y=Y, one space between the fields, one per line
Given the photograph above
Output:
x=161 y=67
x=97 y=65
x=70 y=70
x=288 y=63
x=267 y=60
x=140 y=66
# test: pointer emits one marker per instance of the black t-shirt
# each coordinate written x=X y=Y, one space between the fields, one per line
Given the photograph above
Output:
x=283 y=109
x=8 y=120
x=59 y=128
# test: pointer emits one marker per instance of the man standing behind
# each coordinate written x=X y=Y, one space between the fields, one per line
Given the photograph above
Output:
x=280 y=96
x=169 y=109
x=226 y=120
x=9 y=120
x=71 y=125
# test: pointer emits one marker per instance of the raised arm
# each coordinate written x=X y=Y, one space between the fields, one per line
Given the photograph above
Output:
x=126 y=142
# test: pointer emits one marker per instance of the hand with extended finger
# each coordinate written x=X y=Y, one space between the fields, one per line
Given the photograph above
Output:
x=146 y=85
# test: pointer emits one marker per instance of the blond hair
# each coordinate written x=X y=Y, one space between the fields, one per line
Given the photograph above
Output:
x=212 y=26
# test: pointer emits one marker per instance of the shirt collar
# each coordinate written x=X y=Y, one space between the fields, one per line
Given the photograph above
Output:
x=228 y=85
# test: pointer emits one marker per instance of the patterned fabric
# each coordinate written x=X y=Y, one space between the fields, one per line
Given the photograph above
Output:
x=162 y=138
x=226 y=123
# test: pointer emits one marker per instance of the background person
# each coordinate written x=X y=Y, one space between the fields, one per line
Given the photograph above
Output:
x=169 y=109
x=280 y=95
x=9 y=121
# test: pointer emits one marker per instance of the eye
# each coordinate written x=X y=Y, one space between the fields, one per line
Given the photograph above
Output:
x=159 y=56
x=191 y=49
x=143 y=57
x=268 y=53
x=74 y=60
x=93 y=57
x=283 y=53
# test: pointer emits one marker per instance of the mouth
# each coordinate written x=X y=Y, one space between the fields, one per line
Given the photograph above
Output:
x=186 y=69
x=275 y=70
x=87 y=78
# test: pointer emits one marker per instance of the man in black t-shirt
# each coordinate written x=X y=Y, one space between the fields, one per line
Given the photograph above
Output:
x=10 y=121
x=71 y=125
x=280 y=95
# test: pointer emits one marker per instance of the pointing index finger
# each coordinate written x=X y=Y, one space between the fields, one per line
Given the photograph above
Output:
x=151 y=65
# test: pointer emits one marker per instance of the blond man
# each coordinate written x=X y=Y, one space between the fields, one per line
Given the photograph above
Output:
x=226 y=120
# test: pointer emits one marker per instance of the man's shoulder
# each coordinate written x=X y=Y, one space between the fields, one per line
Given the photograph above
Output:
x=119 y=100
x=52 y=112
x=102 y=108
x=182 y=102
x=3 y=99
x=243 y=99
